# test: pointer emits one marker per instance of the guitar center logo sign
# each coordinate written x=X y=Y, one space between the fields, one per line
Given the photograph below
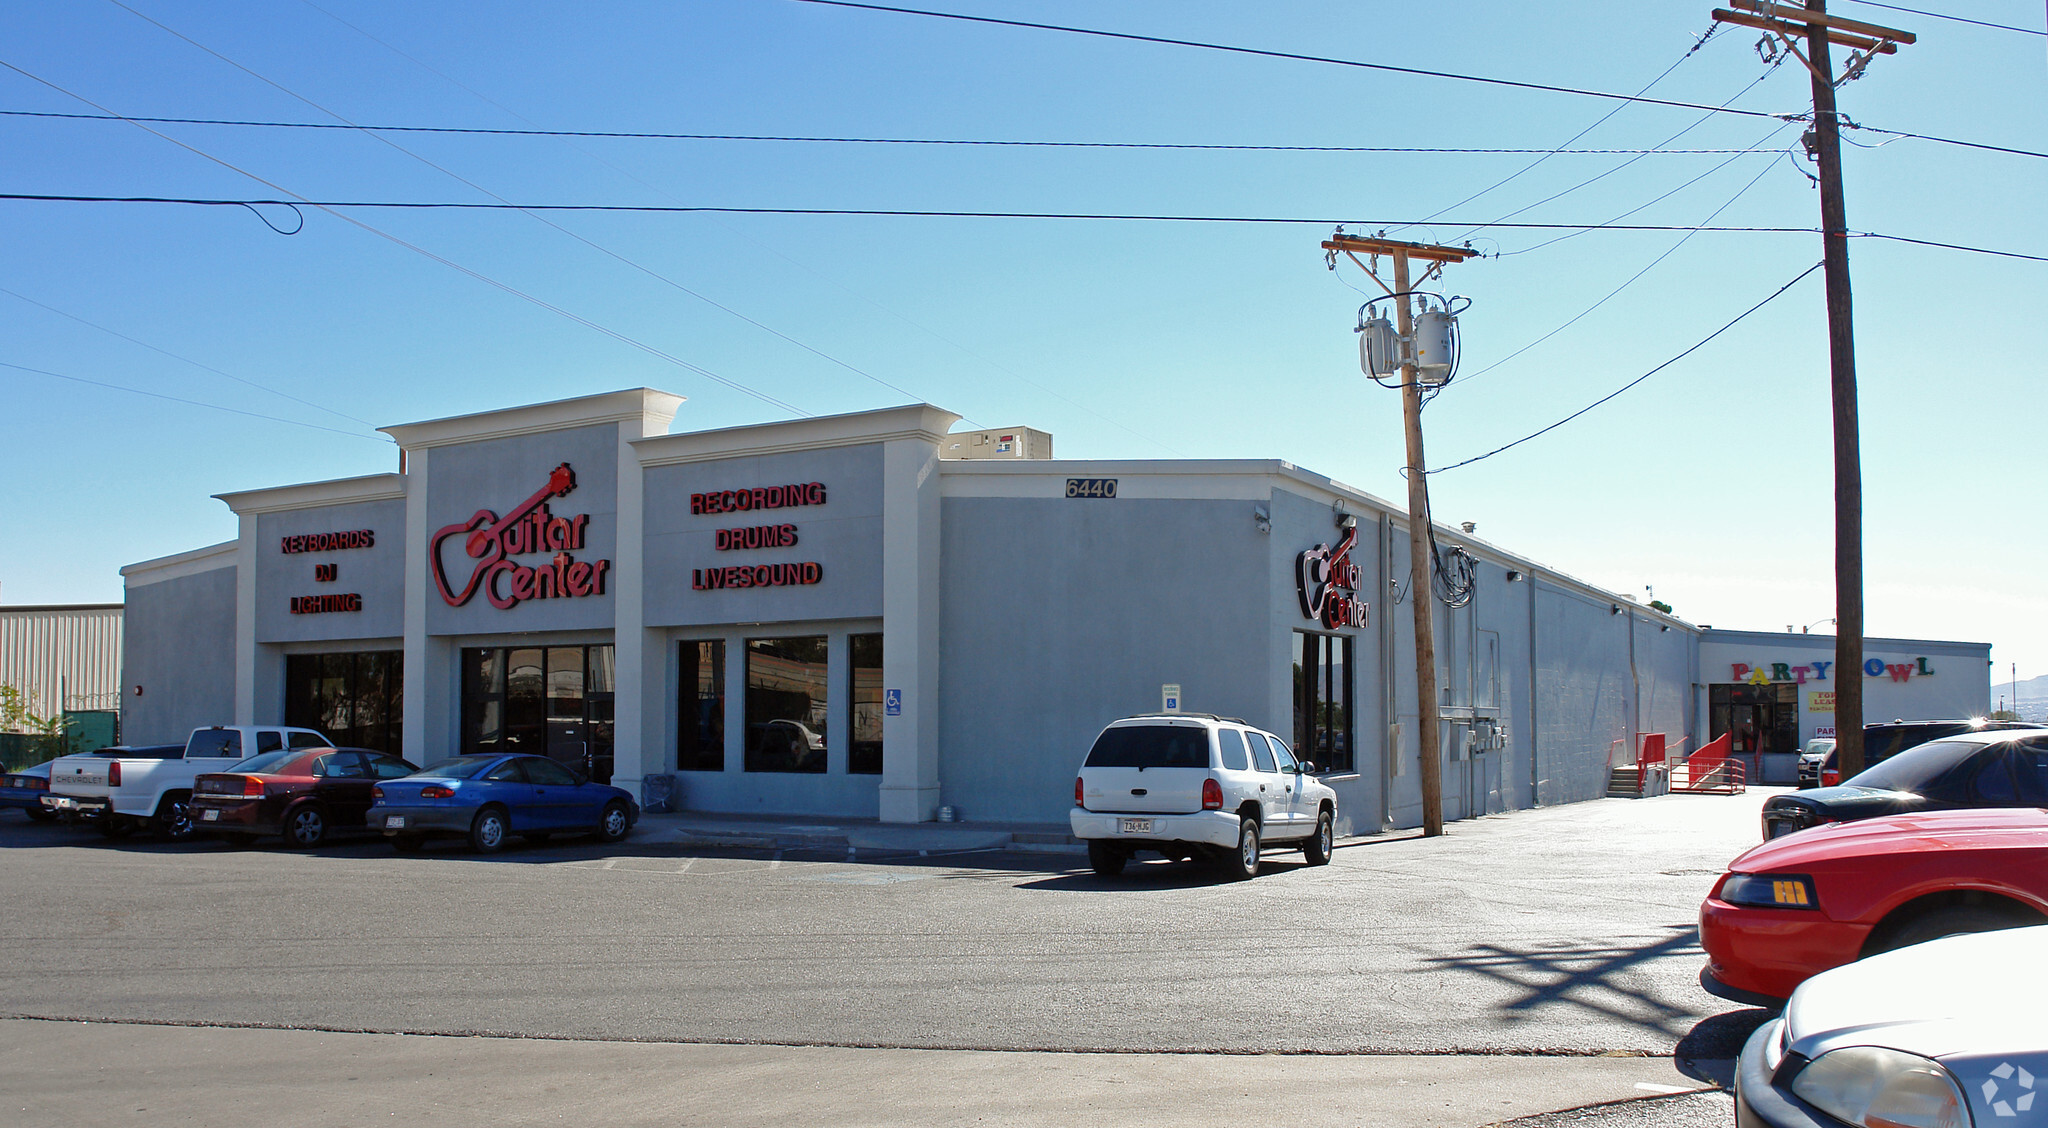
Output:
x=1328 y=582
x=491 y=541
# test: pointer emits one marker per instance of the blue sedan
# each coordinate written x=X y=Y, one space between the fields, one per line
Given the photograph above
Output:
x=25 y=789
x=491 y=797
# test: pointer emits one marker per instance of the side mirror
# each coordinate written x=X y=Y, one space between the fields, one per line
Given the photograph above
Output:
x=1305 y=767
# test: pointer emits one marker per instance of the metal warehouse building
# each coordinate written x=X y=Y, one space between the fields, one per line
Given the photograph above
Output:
x=869 y=615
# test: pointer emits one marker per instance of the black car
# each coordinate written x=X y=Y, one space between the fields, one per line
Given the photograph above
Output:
x=1991 y=768
x=1886 y=739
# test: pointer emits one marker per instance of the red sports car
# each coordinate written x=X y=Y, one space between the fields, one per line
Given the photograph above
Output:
x=1799 y=905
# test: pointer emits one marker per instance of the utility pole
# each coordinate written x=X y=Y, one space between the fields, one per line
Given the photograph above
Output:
x=1421 y=588
x=1789 y=23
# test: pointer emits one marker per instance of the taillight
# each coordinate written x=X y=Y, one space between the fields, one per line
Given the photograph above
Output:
x=36 y=784
x=252 y=788
x=436 y=791
x=1077 y=792
x=113 y=773
x=1212 y=795
x=1830 y=778
x=377 y=794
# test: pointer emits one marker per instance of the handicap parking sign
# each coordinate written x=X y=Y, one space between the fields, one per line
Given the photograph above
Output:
x=892 y=702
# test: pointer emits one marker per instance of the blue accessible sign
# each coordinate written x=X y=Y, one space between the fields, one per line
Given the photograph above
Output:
x=892 y=702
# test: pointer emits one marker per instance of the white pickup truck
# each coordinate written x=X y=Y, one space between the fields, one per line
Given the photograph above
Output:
x=119 y=794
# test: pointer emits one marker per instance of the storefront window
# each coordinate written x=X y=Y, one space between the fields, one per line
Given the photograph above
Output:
x=356 y=699
x=1322 y=701
x=700 y=727
x=864 y=705
x=786 y=704
x=554 y=702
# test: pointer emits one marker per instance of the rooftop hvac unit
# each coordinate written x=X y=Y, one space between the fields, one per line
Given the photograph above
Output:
x=998 y=442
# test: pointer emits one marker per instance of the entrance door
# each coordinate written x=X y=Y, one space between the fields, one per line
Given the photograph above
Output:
x=568 y=730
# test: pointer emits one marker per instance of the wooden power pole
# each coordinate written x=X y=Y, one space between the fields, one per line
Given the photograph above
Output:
x=1420 y=586
x=1790 y=23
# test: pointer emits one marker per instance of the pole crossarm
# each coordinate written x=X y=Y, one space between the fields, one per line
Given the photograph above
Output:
x=1804 y=18
x=1426 y=251
x=1792 y=30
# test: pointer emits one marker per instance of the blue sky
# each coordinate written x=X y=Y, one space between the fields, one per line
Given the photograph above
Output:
x=1709 y=482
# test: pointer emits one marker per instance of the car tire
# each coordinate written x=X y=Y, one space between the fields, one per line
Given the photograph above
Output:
x=1951 y=921
x=305 y=826
x=487 y=833
x=1243 y=862
x=173 y=819
x=1318 y=845
x=39 y=814
x=407 y=843
x=615 y=823
x=1105 y=858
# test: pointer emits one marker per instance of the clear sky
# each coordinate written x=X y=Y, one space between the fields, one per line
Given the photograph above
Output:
x=1709 y=482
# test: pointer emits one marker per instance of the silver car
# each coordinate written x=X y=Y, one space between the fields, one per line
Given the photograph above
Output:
x=1945 y=1034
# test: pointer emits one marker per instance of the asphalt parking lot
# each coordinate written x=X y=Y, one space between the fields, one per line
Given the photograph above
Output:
x=1561 y=934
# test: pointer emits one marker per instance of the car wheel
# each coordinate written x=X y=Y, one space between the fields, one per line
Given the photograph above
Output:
x=487 y=833
x=1950 y=922
x=1243 y=862
x=1107 y=859
x=305 y=826
x=615 y=822
x=1318 y=846
x=114 y=826
x=407 y=843
x=39 y=814
x=173 y=820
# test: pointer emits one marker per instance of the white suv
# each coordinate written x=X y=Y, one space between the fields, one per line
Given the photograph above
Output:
x=1188 y=784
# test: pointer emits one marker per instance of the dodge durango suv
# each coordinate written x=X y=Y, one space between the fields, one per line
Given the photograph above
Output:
x=1191 y=785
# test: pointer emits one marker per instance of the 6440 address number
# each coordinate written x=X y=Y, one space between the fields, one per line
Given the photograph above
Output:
x=1091 y=487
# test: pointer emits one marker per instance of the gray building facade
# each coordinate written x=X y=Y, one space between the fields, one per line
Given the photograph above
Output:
x=841 y=617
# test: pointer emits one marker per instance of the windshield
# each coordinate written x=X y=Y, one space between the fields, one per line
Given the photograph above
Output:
x=460 y=767
x=1916 y=769
x=1151 y=746
x=263 y=763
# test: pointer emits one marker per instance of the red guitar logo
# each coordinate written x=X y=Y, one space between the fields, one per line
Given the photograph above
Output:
x=489 y=539
x=1327 y=582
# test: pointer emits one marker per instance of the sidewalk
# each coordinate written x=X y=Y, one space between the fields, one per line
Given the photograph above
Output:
x=798 y=832
x=87 y=1074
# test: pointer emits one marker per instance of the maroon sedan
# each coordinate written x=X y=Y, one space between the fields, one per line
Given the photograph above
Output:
x=301 y=793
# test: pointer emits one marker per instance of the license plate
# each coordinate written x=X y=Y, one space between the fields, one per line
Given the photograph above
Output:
x=210 y=815
x=1137 y=826
x=393 y=822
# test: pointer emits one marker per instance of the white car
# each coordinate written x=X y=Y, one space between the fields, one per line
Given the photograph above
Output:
x=1944 y=1034
x=1190 y=784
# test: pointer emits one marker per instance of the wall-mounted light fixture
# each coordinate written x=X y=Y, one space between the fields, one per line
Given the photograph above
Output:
x=1347 y=521
x=1515 y=577
x=1666 y=628
x=1614 y=609
x=1262 y=517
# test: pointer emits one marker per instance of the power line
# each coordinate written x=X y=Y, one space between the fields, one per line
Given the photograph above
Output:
x=192 y=402
x=186 y=359
x=1957 y=19
x=827 y=140
x=466 y=182
x=425 y=253
x=336 y=206
x=1289 y=55
x=1695 y=347
x=1361 y=65
x=1632 y=279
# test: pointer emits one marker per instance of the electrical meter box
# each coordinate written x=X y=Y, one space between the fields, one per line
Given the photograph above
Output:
x=997 y=442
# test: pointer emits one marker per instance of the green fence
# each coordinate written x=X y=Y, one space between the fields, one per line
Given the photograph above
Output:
x=84 y=731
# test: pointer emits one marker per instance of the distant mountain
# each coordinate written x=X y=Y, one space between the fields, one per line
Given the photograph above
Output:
x=2032 y=697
